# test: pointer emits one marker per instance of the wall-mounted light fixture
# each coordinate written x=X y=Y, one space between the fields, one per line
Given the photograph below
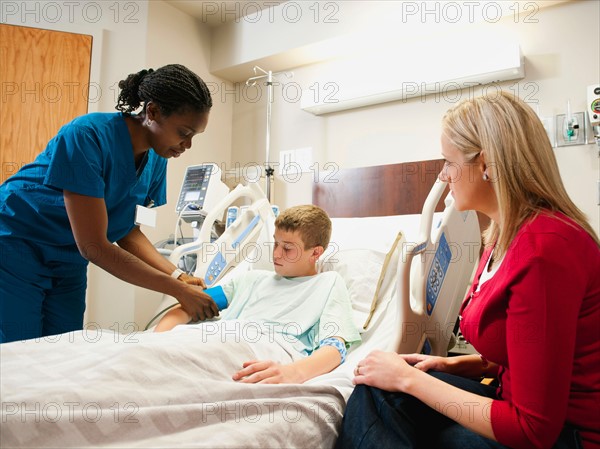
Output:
x=418 y=69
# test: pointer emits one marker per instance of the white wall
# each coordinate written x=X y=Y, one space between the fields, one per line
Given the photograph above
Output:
x=561 y=61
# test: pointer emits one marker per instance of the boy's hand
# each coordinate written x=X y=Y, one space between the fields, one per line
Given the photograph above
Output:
x=266 y=372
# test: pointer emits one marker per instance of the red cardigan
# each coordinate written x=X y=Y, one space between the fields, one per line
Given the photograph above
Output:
x=538 y=318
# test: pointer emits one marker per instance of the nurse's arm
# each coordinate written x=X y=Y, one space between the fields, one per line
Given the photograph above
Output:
x=138 y=244
x=89 y=223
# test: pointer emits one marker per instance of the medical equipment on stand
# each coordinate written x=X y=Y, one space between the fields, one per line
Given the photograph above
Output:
x=247 y=239
x=435 y=267
x=201 y=189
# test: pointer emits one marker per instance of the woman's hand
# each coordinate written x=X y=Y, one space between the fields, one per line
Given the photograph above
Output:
x=425 y=362
x=266 y=372
x=192 y=280
x=198 y=305
x=385 y=370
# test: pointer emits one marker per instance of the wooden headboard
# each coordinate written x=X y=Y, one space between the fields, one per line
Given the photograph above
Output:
x=396 y=189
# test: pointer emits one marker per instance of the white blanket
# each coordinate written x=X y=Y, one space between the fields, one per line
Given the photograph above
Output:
x=92 y=389
x=101 y=389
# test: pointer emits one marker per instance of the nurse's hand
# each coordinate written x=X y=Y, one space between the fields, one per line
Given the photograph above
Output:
x=192 y=280
x=196 y=303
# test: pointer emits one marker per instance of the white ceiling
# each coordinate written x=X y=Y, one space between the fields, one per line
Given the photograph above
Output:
x=216 y=13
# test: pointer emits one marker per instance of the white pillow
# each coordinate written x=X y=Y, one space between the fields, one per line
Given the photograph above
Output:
x=360 y=269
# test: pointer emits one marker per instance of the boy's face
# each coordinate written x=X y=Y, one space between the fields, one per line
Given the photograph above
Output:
x=290 y=258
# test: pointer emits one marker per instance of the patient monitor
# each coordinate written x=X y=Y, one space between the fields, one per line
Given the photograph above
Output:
x=201 y=190
x=432 y=280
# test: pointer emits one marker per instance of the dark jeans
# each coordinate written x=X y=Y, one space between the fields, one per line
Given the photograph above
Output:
x=379 y=419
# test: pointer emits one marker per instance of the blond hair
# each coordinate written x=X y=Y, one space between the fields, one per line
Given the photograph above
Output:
x=519 y=161
x=311 y=222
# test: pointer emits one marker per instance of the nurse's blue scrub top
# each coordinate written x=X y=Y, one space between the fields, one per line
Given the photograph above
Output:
x=92 y=156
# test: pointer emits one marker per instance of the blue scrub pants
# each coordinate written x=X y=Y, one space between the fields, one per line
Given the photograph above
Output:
x=378 y=419
x=39 y=294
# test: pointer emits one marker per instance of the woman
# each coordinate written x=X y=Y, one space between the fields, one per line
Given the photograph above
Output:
x=532 y=312
x=79 y=196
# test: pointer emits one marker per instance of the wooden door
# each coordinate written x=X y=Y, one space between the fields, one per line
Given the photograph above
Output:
x=44 y=79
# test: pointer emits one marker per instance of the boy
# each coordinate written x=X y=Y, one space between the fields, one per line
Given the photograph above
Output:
x=313 y=312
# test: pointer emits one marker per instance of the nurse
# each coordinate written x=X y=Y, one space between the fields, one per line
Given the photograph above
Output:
x=80 y=195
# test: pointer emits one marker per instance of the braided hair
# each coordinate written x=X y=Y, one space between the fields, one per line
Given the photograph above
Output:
x=173 y=88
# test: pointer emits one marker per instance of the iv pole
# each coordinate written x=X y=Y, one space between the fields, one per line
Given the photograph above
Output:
x=269 y=171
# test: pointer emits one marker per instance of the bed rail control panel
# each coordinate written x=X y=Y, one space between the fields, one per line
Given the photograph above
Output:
x=232 y=214
x=437 y=273
x=215 y=268
x=219 y=262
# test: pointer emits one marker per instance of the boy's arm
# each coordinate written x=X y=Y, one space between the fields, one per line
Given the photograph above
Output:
x=321 y=361
x=172 y=318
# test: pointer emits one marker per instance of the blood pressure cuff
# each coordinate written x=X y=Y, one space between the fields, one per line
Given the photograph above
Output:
x=218 y=296
x=337 y=344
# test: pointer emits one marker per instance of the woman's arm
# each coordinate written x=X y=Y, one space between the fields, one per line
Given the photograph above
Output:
x=321 y=361
x=89 y=222
x=471 y=366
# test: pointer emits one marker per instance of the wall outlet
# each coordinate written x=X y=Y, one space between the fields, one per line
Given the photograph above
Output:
x=295 y=162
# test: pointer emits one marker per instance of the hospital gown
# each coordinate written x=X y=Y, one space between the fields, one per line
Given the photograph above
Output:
x=300 y=311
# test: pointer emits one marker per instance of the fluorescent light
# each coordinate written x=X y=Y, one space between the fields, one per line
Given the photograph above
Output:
x=418 y=69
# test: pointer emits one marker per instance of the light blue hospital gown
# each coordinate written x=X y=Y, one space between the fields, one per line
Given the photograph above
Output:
x=42 y=274
x=304 y=310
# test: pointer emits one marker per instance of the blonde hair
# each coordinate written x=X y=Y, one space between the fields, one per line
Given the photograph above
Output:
x=311 y=222
x=519 y=161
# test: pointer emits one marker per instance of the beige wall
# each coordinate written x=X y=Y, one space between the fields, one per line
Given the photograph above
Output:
x=556 y=70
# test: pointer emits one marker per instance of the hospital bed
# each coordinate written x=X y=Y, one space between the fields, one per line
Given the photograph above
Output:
x=98 y=388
